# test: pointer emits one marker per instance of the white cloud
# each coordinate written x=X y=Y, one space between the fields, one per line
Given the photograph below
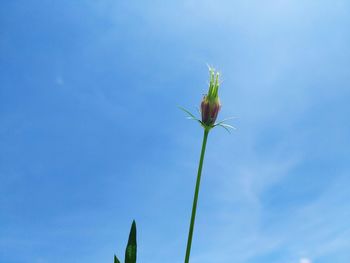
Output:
x=305 y=260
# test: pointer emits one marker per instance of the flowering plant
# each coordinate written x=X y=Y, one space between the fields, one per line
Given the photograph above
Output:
x=210 y=107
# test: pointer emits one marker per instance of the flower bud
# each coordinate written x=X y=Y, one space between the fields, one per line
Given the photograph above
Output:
x=210 y=105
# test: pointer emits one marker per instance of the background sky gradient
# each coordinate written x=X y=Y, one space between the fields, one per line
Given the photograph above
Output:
x=91 y=136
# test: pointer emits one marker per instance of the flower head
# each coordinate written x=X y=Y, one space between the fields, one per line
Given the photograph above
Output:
x=210 y=105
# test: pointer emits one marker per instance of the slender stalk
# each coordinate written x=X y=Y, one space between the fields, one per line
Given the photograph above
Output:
x=195 y=199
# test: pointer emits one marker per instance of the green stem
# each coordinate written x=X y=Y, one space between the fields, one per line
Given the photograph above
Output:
x=195 y=199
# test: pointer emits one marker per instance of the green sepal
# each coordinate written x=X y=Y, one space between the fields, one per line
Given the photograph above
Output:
x=131 y=248
x=116 y=260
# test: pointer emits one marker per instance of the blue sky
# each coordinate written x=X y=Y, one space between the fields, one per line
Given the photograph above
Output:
x=91 y=136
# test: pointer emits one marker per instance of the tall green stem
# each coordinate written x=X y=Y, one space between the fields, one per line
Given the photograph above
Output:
x=195 y=199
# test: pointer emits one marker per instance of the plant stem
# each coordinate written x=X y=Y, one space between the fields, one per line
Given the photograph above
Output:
x=195 y=199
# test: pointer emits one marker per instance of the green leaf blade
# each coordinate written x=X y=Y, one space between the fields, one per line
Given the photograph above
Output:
x=131 y=248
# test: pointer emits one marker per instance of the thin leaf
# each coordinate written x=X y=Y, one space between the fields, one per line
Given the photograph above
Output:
x=224 y=120
x=188 y=112
x=116 y=260
x=228 y=126
x=191 y=116
x=224 y=128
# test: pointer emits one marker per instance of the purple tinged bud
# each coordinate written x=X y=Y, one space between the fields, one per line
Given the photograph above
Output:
x=210 y=105
x=210 y=111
